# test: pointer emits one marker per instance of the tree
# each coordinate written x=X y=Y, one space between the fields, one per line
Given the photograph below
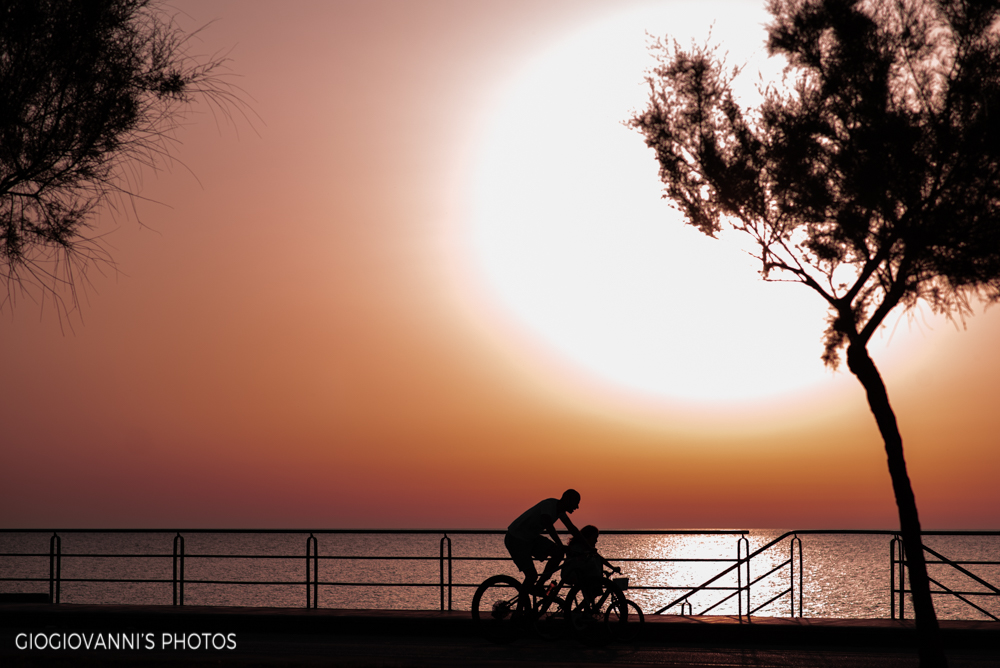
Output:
x=90 y=91
x=871 y=175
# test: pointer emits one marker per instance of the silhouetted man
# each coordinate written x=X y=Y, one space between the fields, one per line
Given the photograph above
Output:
x=525 y=542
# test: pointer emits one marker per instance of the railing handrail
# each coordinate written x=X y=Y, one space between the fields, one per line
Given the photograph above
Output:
x=640 y=532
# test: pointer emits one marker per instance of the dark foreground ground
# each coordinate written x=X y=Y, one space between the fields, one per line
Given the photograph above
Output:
x=270 y=637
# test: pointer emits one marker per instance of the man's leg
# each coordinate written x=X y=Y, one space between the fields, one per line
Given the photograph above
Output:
x=520 y=553
x=530 y=578
x=546 y=549
x=551 y=566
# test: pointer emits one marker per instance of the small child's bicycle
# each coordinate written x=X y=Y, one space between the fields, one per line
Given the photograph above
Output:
x=599 y=611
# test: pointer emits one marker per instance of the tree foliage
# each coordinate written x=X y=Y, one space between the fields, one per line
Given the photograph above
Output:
x=89 y=90
x=870 y=174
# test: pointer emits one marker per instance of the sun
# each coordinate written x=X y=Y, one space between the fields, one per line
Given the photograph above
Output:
x=572 y=237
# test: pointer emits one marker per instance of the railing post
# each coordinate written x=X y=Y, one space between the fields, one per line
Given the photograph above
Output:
x=445 y=540
x=312 y=586
x=178 y=569
x=897 y=555
x=739 y=575
x=796 y=541
x=892 y=578
x=55 y=568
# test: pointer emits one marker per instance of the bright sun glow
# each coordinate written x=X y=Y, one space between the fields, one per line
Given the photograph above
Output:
x=572 y=234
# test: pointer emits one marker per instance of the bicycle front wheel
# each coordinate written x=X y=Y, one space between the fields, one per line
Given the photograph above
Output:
x=587 y=607
x=494 y=608
x=624 y=624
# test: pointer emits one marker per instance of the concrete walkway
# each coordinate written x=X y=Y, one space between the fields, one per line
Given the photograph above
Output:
x=127 y=635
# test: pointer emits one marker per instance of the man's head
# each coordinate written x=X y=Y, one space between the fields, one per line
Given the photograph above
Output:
x=569 y=501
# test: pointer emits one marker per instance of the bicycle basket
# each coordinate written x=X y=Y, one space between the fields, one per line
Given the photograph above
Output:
x=621 y=582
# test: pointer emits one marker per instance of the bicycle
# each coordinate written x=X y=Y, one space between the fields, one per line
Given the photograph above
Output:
x=599 y=611
x=497 y=610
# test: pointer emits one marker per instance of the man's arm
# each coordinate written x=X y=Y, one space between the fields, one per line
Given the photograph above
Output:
x=564 y=518
x=550 y=524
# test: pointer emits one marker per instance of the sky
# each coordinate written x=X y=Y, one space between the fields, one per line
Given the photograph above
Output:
x=428 y=280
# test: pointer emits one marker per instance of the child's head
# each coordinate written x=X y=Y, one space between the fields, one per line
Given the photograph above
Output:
x=590 y=533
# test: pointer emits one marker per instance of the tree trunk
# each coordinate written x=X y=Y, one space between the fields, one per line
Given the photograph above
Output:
x=928 y=634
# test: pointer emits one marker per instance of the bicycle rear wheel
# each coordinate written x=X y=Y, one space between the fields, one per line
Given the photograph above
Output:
x=494 y=608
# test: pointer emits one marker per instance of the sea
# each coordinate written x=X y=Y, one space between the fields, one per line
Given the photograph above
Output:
x=843 y=575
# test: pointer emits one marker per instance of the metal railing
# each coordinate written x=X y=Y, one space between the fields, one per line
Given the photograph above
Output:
x=310 y=560
x=744 y=567
x=898 y=579
x=897 y=574
x=741 y=591
x=179 y=558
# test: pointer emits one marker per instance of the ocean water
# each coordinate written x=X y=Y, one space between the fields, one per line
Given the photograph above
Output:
x=843 y=575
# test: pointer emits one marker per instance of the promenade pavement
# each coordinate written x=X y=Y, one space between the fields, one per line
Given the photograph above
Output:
x=270 y=637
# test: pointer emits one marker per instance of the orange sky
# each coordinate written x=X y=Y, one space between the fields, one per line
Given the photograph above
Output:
x=298 y=337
